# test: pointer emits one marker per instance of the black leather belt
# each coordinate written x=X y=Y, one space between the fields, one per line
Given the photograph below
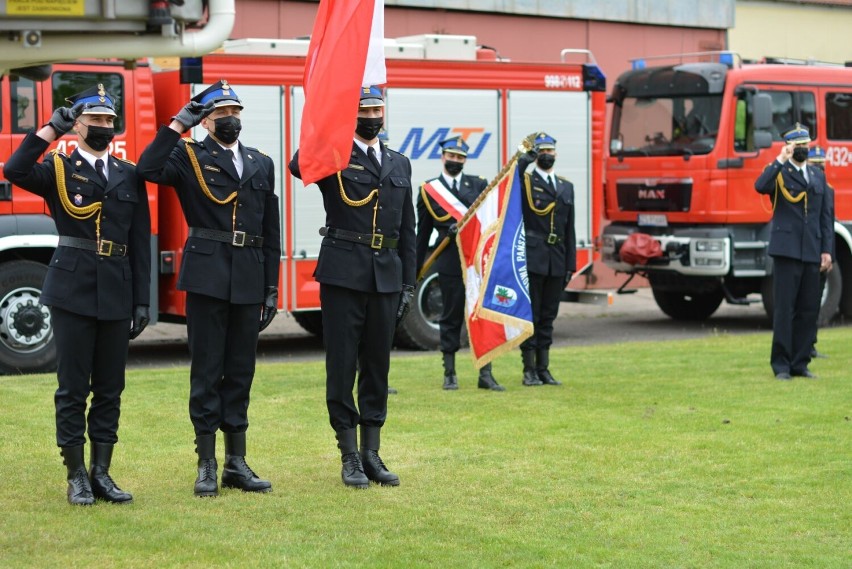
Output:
x=235 y=238
x=374 y=240
x=549 y=238
x=103 y=247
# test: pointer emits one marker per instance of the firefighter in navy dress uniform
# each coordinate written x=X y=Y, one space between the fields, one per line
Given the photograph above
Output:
x=366 y=275
x=800 y=246
x=430 y=215
x=98 y=282
x=816 y=158
x=548 y=207
x=229 y=271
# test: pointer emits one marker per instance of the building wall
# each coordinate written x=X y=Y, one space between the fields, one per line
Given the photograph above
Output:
x=792 y=30
x=520 y=38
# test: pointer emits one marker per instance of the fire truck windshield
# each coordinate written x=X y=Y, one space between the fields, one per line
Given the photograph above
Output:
x=665 y=126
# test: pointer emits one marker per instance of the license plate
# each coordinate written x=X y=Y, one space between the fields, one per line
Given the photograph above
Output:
x=653 y=220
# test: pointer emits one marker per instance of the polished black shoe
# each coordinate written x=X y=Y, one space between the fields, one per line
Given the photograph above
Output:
x=392 y=391
x=817 y=354
x=545 y=377
x=806 y=374
x=79 y=486
x=531 y=378
x=352 y=472
x=376 y=470
x=451 y=382
x=487 y=381
x=238 y=474
x=207 y=483
x=783 y=375
x=103 y=486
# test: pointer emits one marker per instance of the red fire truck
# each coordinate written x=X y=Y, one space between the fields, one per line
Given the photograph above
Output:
x=687 y=142
x=438 y=86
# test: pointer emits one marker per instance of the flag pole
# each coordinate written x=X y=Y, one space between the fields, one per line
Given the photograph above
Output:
x=526 y=145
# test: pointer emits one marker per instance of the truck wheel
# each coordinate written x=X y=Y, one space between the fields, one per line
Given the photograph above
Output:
x=682 y=306
x=311 y=321
x=419 y=329
x=26 y=334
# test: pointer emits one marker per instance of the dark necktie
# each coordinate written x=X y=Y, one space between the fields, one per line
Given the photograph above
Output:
x=371 y=154
x=455 y=186
x=551 y=184
x=99 y=166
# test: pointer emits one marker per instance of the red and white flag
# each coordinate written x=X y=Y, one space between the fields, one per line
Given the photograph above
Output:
x=492 y=244
x=445 y=198
x=346 y=52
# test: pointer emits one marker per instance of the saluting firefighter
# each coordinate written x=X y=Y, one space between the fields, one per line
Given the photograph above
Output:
x=366 y=275
x=98 y=282
x=229 y=271
x=430 y=215
x=548 y=207
x=816 y=158
x=800 y=245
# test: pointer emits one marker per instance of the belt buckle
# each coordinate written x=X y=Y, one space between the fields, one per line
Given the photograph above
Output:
x=239 y=239
x=376 y=242
x=105 y=248
x=552 y=238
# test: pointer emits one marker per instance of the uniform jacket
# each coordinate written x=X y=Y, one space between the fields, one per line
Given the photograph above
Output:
x=556 y=259
x=213 y=268
x=354 y=265
x=795 y=233
x=80 y=281
x=448 y=263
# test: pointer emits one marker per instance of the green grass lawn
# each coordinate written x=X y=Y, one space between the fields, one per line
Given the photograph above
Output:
x=671 y=454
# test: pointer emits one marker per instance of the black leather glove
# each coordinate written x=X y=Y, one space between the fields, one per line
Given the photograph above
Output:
x=141 y=317
x=192 y=113
x=567 y=279
x=405 y=298
x=270 y=307
x=63 y=119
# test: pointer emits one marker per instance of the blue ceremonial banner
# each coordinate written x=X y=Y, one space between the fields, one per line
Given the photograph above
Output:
x=506 y=291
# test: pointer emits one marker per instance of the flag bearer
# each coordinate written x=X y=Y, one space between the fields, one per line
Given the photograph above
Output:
x=366 y=275
x=430 y=215
x=229 y=271
x=548 y=207
x=98 y=282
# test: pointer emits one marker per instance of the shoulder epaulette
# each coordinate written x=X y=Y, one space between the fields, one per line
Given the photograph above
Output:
x=189 y=140
x=56 y=151
x=483 y=178
x=395 y=152
x=563 y=178
x=125 y=160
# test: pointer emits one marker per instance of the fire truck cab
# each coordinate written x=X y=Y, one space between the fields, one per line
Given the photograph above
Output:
x=687 y=143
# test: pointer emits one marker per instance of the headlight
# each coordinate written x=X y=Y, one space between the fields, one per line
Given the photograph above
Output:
x=709 y=246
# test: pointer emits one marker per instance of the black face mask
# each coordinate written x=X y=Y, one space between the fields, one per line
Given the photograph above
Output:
x=545 y=161
x=453 y=168
x=227 y=129
x=800 y=153
x=99 y=137
x=369 y=128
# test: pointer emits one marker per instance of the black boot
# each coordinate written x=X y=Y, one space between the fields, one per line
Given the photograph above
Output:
x=79 y=487
x=374 y=468
x=451 y=380
x=542 y=362
x=530 y=376
x=207 y=483
x=103 y=486
x=487 y=381
x=237 y=473
x=352 y=472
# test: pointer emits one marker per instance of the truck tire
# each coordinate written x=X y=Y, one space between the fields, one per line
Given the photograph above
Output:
x=310 y=321
x=419 y=329
x=829 y=303
x=683 y=306
x=27 y=344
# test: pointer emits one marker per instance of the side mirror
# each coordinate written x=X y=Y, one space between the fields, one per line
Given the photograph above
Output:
x=762 y=103
x=762 y=139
